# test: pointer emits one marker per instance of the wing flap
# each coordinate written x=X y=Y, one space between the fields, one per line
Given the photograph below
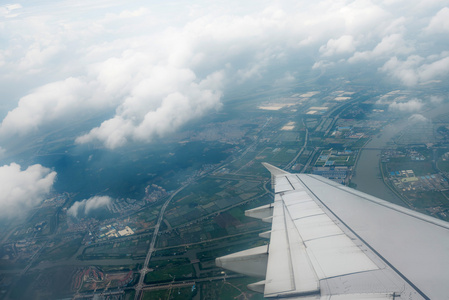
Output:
x=337 y=255
x=313 y=254
x=317 y=226
x=279 y=276
x=289 y=270
x=331 y=252
x=283 y=185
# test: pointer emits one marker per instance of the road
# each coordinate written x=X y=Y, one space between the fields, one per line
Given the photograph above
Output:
x=306 y=138
x=103 y=295
x=35 y=255
x=144 y=269
x=309 y=161
x=164 y=286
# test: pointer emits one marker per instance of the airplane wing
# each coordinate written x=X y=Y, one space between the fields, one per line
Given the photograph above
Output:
x=332 y=242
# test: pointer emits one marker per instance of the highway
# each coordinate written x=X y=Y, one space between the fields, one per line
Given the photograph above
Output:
x=144 y=269
x=306 y=138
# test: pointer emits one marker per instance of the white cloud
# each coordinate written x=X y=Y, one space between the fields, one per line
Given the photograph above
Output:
x=161 y=66
x=405 y=71
x=436 y=99
x=412 y=105
x=393 y=44
x=323 y=64
x=38 y=55
x=85 y=206
x=52 y=102
x=440 y=22
x=23 y=190
x=435 y=69
x=8 y=10
x=157 y=106
x=416 y=69
x=343 y=45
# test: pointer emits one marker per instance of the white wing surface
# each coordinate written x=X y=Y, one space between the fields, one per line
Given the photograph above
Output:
x=331 y=242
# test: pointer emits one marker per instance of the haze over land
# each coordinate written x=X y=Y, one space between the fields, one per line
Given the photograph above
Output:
x=105 y=104
x=141 y=71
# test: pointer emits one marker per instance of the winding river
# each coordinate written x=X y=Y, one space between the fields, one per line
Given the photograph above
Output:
x=367 y=174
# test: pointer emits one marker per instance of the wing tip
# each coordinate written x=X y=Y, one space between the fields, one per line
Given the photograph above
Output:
x=274 y=170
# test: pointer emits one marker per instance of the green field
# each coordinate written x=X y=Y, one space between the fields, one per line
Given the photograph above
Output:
x=234 y=288
x=63 y=250
x=183 y=293
x=170 y=270
x=420 y=168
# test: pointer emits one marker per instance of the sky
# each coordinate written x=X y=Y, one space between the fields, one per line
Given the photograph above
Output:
x=151 y=67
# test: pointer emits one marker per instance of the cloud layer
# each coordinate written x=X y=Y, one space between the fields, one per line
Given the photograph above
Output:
x=84 y=207
x=157 y=67
x=21 y=190
x=413 y=105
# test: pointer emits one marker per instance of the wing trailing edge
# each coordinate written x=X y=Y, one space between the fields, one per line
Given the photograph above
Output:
x=313 y=253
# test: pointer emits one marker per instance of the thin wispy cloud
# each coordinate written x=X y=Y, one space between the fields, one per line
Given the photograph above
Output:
x=10 y=10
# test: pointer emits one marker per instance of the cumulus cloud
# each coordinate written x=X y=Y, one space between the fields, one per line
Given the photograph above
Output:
x=51 y=102
x=342 y=45
x=440 y=22
x=434 y=70
x=158 y=106
x=86 y=206
x=416 y=69
x=412 y=105
x=38 y=55
x=393 y=44
x=158 y=67
x=21 y=190
x=150 y=101
x=405 y=71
